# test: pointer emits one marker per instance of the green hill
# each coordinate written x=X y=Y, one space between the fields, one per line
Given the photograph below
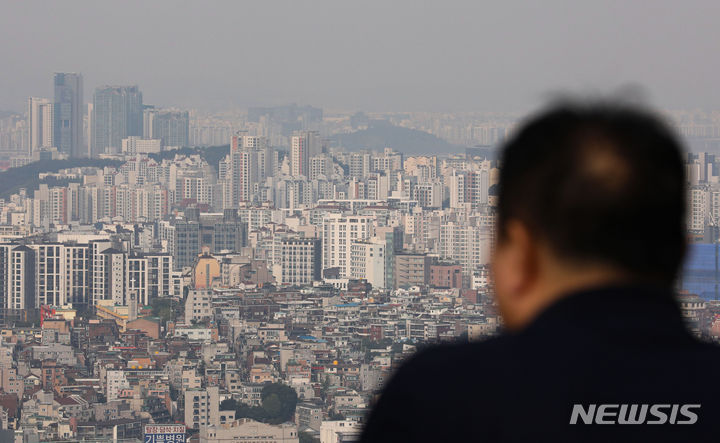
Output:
x=382 y=134
x=26 y=176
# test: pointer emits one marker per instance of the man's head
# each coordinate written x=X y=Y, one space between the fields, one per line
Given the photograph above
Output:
x=589 y=195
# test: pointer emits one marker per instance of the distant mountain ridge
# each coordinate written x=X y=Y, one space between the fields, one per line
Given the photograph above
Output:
x=382 y=134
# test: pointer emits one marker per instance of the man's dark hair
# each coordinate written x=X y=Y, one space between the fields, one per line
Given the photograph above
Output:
x=600 y=184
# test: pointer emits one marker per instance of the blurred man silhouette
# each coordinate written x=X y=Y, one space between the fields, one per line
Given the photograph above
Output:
x=590 y=239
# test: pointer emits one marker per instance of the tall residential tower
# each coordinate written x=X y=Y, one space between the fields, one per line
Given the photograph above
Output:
x=69 y=106
x=303 y=146
x=118 y=114
x=40 y=124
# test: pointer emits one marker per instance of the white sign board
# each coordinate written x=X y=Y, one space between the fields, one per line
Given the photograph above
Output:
x=164 y=434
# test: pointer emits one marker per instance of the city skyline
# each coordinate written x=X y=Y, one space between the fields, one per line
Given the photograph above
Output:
x=238 y=221
x=117 y=120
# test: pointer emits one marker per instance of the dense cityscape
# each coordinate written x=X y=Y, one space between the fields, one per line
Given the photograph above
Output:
x=255 y=274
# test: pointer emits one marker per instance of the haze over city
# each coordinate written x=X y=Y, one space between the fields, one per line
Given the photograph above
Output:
x=234 y=221
x=371 y=55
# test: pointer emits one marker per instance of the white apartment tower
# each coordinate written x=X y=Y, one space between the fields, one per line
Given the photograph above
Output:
x=338 y=234
x=202 y=408
x=198 y=306
x=367 y=261
x=137 y=145
x=40 y=124
x=360 y=163
x=469 y=245
x=457 y=190
x=78 y=290
x=114 y=276
x=320 y=165
x=98 y=276
x=17 y=276
x=699 y=213
x=250 y=161
x=136 y=279
x=50 y=274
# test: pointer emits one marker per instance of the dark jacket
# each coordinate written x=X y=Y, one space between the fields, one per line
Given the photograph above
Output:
x=607 y=347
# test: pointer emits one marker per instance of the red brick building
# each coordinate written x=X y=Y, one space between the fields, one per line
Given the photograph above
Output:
x=446 y=276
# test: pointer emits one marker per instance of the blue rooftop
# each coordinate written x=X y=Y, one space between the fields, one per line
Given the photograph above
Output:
x=312 y=338
x=698 y=274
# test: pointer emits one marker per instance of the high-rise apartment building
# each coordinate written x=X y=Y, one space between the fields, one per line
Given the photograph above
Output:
x=68 y=108
x=242 y=174
x=250 y=161
x=393 y=238
x=388 y=162
x=367 y=261
x=429 y=195
x=228 y=234
x=40 y=123
x=456 y=185
x=50 y=205
x=266 y=156
x=171 y=127
x=359 y=164
x=411 y=269
x=50 y=274
x=113 y=279
x=136 y=145
x=88 y=129
x=98 y=270
x=80 y=274
x=303 y=146
x=17 y=278
x=189 y=235
x=700 y=209
x=338 y=234
x=320 y=166
x=300 y=260
x=78 y=271
x=137 y=279
x=467 y=244
x=118 y=114
x=470 y=187
x=186 y=242
x=377 y=186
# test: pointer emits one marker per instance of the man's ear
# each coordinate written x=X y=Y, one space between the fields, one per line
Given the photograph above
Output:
x=524 y=253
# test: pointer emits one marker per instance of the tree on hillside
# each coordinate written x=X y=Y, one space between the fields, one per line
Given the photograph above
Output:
x=279 y=401
x=278 y=404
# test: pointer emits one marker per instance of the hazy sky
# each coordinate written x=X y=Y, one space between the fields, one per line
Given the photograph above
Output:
x=367 y=55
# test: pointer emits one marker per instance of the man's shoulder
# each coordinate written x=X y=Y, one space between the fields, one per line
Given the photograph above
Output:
x=482 y=357
x=444 y=383
x=439 y=391
x=491 y=345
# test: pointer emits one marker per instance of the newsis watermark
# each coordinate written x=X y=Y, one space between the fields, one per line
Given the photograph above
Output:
x=635 y=414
